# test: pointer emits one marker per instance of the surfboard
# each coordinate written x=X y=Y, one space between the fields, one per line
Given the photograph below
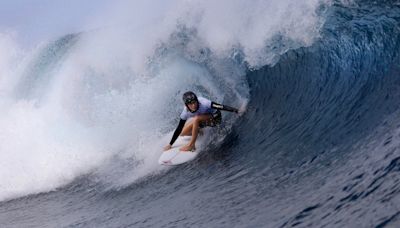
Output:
x=174 y=156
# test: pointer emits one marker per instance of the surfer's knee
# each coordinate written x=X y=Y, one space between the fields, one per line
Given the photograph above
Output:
x=196 y=119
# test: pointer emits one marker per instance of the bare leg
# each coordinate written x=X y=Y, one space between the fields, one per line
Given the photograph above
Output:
x=195 y=131
x=187 y=129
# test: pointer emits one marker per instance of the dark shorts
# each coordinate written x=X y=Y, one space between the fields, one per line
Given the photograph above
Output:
x=215 y=120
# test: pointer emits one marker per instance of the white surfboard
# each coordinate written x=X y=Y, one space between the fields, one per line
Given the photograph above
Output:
x=174 y=156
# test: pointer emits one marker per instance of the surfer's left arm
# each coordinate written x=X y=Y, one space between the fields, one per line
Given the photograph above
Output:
x=177 y=132
x=223 y=107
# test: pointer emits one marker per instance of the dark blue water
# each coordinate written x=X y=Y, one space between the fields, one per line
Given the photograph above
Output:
x=319 y=146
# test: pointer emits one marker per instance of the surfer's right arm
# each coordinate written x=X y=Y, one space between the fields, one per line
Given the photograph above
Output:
x=176 y=134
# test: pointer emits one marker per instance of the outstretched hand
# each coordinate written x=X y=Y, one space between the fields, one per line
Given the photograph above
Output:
x=241 y=111
x=167 y=147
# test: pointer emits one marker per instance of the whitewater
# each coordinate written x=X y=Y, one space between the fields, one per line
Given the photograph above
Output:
x=84 y=116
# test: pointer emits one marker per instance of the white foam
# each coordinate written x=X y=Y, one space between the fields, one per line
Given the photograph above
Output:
x=222 y=26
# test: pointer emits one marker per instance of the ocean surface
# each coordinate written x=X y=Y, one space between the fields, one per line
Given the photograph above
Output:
x=85 y=117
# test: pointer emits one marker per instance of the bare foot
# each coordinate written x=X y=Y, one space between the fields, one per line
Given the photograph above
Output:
x=187 y=147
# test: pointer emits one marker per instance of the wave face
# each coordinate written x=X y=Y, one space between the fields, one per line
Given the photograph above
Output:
x=317 y=145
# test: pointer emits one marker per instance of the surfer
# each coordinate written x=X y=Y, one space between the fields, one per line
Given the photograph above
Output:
x=204 y=113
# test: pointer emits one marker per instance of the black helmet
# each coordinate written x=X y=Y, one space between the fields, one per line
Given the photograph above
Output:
x=188 y=98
